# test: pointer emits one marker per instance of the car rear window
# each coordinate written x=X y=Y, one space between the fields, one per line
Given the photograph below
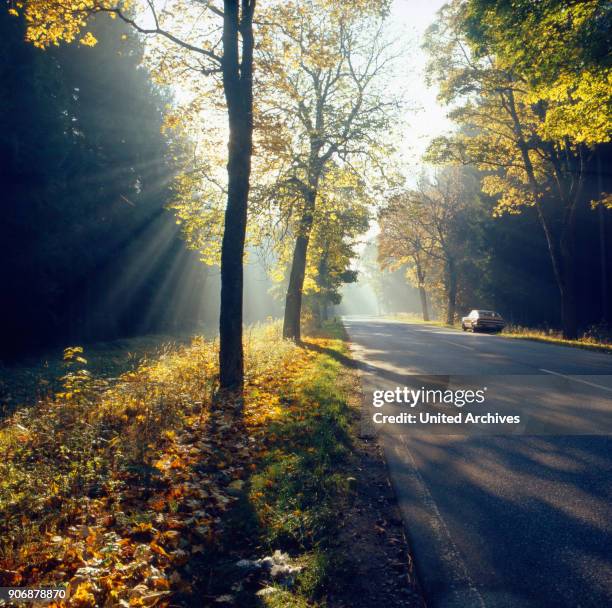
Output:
x=488 y=313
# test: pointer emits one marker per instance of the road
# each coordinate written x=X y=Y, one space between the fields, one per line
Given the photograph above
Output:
x=499 y=521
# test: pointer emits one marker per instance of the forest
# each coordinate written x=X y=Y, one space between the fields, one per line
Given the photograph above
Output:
x=228 y=178
x=85 y=263
x=88 y=247
x=520 y=220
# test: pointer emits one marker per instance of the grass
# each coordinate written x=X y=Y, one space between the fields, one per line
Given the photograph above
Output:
x=29 y=379
x=295 y=493
x=590 y=340
x=141 y=488
x=587 y=342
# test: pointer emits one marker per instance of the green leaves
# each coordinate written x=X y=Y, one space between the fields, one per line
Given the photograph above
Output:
x=557 y=50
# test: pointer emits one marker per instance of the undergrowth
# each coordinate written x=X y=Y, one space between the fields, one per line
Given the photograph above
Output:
x=591 y=339
x=129 y=491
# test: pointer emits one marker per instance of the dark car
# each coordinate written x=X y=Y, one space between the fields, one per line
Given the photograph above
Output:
x=483 y=320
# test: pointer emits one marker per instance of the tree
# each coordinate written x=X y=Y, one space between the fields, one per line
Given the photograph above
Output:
x=87 y=250
x=372 y=276
x=425 y=228
x=519 y=130
x=324 y=105
x=342 y=214
x=443 y=201
x=561 y=49
x=403 y=242
x=196 y=41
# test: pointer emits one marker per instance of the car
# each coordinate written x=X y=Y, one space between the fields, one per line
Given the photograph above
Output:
x=485 y=320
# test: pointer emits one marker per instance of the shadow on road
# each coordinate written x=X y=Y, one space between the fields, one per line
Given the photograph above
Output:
x=528 y=514
x=356 y=364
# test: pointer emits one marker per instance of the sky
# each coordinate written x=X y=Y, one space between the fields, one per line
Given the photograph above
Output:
x=426 y=118
x=410 y=19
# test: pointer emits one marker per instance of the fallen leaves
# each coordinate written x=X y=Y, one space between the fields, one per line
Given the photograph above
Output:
x=83 y=596
x=134 y=479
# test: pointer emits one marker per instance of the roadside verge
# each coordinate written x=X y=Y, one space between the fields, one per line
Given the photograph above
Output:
x=144 y=492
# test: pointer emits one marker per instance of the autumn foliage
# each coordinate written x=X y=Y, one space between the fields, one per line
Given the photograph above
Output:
x=118 y=487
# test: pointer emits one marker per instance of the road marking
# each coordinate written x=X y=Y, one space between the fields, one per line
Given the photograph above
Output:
x=603 y=388
x=459 y=345
x=449 y=551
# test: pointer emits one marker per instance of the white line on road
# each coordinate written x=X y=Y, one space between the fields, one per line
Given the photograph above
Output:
x=459 y=345
x=448 y=550
x=603 y=388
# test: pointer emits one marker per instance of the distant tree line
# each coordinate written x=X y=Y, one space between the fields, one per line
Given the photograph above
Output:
x=499 y=262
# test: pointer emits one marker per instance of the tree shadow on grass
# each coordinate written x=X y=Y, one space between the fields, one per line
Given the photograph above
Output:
x=351 y=363
x=211 y=569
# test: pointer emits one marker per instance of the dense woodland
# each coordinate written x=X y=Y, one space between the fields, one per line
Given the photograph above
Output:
x=503 y=263
x=88 y=250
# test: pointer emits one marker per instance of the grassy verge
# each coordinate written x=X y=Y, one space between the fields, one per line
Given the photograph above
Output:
x=552 y=337
x=143 y=491
x=300 y=485
x=586 y=342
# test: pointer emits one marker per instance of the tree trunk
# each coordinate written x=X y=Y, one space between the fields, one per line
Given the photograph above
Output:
x=238 y=89
x=603 y=250
x=293 y=302
x=422 y=292
x=561 y=256
x=324 y=311
x=569 y=312
x=424 y=308
x=451 y=291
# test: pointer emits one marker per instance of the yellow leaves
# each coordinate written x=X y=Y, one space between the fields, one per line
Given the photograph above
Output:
x=158 y=504
x=579 y=108
x=83 y=596
x=162 y=464
x=159 y=550
x=73 y=353
x=199 y=205
x=511 y=197
x=177 y=463
x=50 y=23
x=88 y=40
x=172 y=121
x=142 y=539
x=161 y=583
x=310 y=285
x=605 y=201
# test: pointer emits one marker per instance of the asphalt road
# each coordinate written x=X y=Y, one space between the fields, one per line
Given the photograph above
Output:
x=500 y=521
